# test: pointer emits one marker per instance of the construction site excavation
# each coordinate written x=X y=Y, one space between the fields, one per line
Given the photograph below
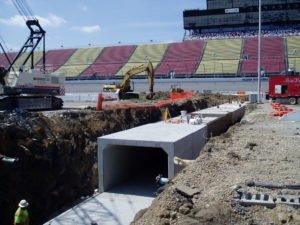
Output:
x=202 y=130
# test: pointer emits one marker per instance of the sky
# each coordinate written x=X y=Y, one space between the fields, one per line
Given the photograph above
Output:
x=83 y=23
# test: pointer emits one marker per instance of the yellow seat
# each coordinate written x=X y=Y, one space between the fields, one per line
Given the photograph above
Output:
x=220 y=57
x=36 y=58
x=293 y=49
x=143 y=53
x=79 y=61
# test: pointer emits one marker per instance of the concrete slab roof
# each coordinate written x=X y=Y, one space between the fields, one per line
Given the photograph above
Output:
x=229 y=106
x=211 y=113
x=162 y=132
x=218 y=111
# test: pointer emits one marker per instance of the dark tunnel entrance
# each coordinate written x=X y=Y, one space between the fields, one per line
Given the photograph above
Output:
x=132 y=169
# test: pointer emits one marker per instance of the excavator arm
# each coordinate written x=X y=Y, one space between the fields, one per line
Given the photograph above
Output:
x=3 y=74
x=123 y=89
x=125 y=84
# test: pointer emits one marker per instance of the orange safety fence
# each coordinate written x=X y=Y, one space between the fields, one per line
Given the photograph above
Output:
x=174 y=96
x=181 y=95
x=241 y=93
x=280 y=110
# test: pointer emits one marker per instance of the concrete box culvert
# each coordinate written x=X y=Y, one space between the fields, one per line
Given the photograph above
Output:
x=122 y=154
x=115 y=151
x=133 y=164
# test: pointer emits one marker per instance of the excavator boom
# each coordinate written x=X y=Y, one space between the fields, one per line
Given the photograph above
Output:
x=123 y=89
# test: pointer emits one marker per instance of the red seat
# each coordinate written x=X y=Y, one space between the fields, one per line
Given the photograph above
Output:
x=272 y=55
x=109 y=62
x=181 y=58
x=56 y=58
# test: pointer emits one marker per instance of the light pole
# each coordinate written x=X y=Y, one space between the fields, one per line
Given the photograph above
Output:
x=259 y=54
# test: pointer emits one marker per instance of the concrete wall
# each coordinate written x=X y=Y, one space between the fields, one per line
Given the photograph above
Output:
x=219 y=119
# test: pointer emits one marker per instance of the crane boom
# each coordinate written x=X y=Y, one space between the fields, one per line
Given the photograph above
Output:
x=29 y=89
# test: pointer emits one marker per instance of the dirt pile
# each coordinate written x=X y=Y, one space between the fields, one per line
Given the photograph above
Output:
x=260 y=148
x=58 y=154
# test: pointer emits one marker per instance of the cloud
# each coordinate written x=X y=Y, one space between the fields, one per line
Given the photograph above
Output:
x=16 y=20
x=87 y=29
x=83 y=8
x=8 y=2
x=51 y=20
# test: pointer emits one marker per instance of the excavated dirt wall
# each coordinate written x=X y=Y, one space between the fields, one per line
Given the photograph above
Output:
x=58 y=155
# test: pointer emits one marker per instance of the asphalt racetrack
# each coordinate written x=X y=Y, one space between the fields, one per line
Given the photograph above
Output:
x=221 y=85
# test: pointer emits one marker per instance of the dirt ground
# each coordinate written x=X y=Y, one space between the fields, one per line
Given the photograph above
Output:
x=57 y=152
x=260 y=148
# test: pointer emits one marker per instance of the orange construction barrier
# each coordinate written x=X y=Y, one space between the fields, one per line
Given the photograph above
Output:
x=174 y=96
x=241 y=93
x=99 y=102
x=280 y=110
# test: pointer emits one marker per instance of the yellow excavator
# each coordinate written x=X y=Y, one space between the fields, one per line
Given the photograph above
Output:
x=123 y=90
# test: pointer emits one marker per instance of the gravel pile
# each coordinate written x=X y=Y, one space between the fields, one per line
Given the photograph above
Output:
x=259 y=148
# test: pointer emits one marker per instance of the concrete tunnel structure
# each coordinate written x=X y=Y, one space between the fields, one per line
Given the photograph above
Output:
x=142 y=153
x=149 y=150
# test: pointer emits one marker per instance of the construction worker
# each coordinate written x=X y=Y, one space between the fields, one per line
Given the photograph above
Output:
x=21 y=215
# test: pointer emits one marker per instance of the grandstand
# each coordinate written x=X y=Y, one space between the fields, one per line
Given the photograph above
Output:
x=3 y=60
x=181 y=58
x=293 y=52
x=56 y=58
x=79 y=61
x=109 y=62
x=241 y=15
x=143 y=54
x=210 y=58
x=37 y=57
x=220 y=41
x=273 y=55
x=221 y=57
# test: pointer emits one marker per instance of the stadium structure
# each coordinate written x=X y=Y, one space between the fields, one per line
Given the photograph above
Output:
x=220 y=41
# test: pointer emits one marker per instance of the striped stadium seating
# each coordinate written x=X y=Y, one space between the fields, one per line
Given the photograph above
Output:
x=142 y=54
x=272 y=55
x=293 y=52
x=223 y=67
x=79 y=61
x=36 y=58
x=181 y=58
x=56 y=58
x=220 y=57
x=3 y=60
x=109 y=61
x=189 y=58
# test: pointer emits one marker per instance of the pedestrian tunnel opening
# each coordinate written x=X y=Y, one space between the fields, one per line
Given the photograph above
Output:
x=132 y=169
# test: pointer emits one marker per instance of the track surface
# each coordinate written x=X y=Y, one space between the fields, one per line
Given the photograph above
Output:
x=217 y=85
